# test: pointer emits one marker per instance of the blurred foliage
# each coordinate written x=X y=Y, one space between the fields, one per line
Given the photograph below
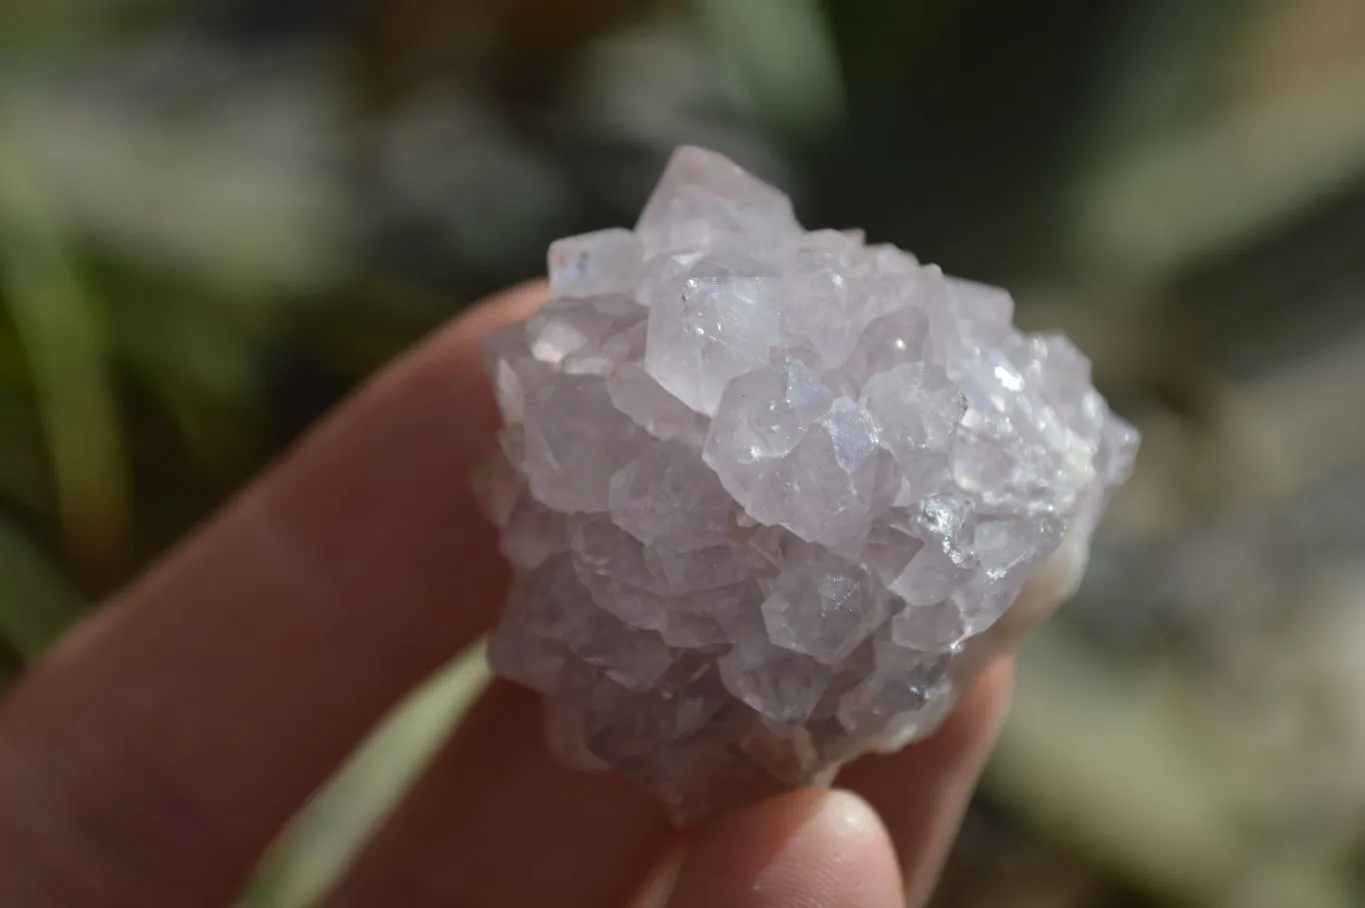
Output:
x=217 y=216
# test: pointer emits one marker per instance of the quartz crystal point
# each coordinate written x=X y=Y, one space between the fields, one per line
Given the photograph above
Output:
x=770 y=488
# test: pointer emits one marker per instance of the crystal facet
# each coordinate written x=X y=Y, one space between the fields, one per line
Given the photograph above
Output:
x=767 y=487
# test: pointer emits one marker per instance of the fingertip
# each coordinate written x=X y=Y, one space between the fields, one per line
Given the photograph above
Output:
x=510 y=305
x=922 y=792
x=805 y=849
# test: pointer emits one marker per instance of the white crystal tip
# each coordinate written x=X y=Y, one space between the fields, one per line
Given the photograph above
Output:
x=763 y=486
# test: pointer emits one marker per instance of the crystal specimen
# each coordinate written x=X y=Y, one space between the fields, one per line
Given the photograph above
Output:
x=770 y=490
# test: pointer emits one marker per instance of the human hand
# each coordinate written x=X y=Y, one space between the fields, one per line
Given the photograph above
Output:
x=157 y=751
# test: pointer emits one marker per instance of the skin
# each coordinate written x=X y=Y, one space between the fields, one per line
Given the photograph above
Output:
x=151 y=758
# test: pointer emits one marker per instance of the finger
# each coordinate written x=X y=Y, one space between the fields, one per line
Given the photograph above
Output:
x=497 y=821
x=922 y=792
x=806 y=849
x=153 y=756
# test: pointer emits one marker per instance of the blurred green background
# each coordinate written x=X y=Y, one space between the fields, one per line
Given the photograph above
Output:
x=216 y=216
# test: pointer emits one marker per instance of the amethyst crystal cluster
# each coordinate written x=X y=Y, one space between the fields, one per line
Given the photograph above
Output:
x=767 y=485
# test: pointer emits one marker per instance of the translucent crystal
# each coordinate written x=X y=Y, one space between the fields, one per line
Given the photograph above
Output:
x=667 y=498
x=604 y=262
x=764 y=485
x=704 y=201
x=824 y=609
x=714 y=323
x=761 y=419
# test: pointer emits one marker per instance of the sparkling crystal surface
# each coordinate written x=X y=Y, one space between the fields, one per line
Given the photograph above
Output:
x=768 y=485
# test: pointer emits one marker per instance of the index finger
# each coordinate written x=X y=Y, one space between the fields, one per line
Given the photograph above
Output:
x=155 y=754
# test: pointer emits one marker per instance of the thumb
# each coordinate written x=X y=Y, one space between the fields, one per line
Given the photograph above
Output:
x=805 y=849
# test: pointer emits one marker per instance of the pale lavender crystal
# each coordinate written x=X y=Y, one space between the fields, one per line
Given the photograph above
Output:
x=766 y=485
x=607 y=261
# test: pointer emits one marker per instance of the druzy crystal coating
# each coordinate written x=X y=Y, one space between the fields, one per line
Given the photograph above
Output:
x=766 y=487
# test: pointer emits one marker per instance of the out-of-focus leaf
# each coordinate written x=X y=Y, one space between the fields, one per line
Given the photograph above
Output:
x=13 y=362
x=9 y=668
x=652 y=88
x=1158 y=71
x=356 y=335
x=781 y=58
x=228 y=178
x=453 y=169
x=38 y=32
x=194 y=360
x=24 y=475
x=1093 y=757
x=58 y=324
x=326 y=835
x=1221 y=185
x=36 y=602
